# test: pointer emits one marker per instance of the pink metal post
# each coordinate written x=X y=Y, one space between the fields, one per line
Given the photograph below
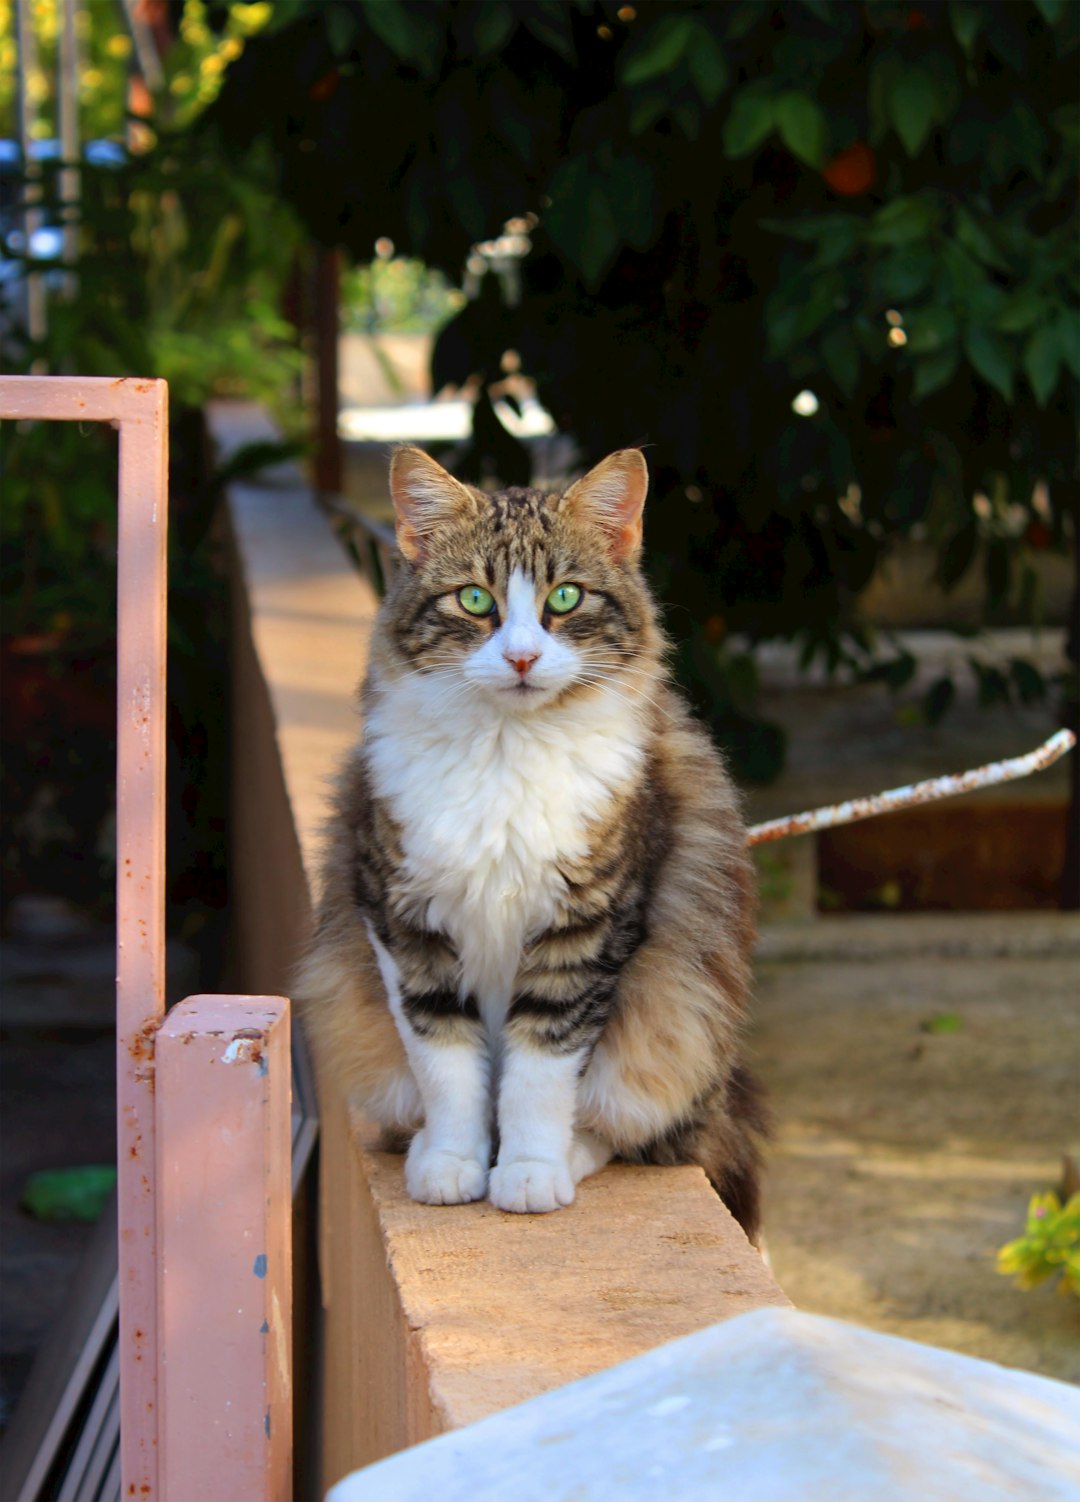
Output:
x=139 y=409
x=224 y=1240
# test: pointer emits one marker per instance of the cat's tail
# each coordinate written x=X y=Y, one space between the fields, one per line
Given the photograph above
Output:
x=725 y=1138
x=729 y=1147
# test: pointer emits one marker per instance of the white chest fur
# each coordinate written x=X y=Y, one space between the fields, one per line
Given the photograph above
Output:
x=488 y=803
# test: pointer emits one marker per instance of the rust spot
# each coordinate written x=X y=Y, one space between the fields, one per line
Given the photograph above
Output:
x=141 y=1045
x=248 y=1032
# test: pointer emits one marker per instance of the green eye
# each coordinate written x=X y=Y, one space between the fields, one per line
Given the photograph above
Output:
x=475 y=600
x=563 y=598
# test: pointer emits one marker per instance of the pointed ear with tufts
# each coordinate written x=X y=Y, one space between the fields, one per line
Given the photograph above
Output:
x=611 y=497
x=425 y=498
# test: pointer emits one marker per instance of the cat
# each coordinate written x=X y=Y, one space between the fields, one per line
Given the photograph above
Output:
x=545 y=857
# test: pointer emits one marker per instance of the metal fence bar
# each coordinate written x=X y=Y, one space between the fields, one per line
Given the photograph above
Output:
x=930 y=791
x=149 y=1302
x=224 y=1239
x=139 y=409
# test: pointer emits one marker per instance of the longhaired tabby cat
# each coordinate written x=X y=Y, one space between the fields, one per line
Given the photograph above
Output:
x=545 y=856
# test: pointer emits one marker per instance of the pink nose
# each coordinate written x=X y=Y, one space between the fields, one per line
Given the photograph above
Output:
x=522 y=661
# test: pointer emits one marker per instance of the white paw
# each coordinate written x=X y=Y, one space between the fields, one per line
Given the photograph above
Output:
x=436 y=1177
x=531 y=1185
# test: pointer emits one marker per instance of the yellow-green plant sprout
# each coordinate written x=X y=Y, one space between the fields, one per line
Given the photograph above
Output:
x=1049 y=1247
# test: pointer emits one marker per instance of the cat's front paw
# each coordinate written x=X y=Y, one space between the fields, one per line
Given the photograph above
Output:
x=436 y=1177
x=531 y=1186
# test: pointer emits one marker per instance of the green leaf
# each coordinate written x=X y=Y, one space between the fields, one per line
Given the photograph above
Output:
x=975 y=238
x=840 y=352
x=956 y=556
x=991 y=357
x=836 y=235
x=896 y=673
x=751 y=119
x=646 y=111
x=631 y=192
x=581 y=220
x=340 y=29
x=967 y=17
x=549 y=22
x=913 y=106
x=803 y=127
x=941 y=1022
x=993 y=685
x=492 y=25
x=708 y=66
x=930 y=330
x=938 y=698
x=1030 y=683
x=824 y=10
x=659 y=49
x=904 y=273
x=884 y=71
x=903 y=221
x=1050 y=10
x=1042 y=362
x=390 y=22
x=1020 y=310
x=68 y=1193
x=414 y=37
x=741 y=16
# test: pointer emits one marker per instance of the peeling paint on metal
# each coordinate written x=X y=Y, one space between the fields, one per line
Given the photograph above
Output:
x=281 y=1342
x=931 y=791
x=247 y=1047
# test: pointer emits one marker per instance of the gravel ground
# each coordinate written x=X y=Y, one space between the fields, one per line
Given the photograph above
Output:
x=921 y=1096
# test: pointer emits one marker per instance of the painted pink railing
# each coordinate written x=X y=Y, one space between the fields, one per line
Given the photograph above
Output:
x=203 y=1101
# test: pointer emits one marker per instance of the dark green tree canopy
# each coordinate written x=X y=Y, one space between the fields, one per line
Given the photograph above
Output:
x=872 y=201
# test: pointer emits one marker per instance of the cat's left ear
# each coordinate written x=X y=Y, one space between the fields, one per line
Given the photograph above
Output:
x=612 y=498
x=425 y=498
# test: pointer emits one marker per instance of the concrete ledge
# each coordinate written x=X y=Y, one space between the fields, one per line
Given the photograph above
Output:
x=435 y=1317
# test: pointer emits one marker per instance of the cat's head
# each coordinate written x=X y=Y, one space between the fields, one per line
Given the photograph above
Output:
x=518 y=597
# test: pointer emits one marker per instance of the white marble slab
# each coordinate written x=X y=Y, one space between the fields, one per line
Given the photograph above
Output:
x=771 y=1406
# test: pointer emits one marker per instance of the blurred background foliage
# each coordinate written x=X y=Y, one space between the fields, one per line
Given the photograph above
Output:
x=818 y=256
x=179 y=264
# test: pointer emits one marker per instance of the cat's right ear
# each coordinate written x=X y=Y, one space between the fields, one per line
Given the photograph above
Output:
x=425 y=498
